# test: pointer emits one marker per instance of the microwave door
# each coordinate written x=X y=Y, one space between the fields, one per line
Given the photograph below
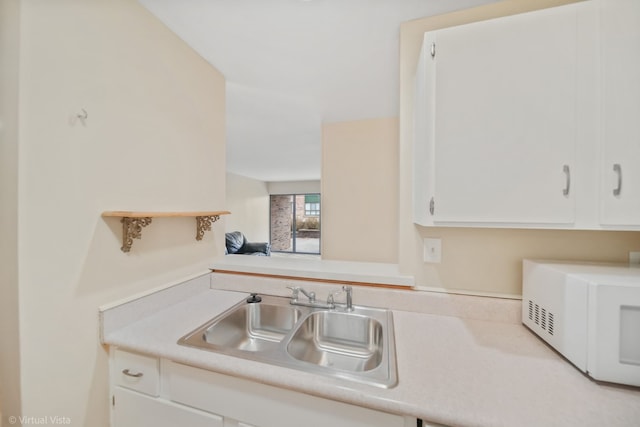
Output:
x=614 y=331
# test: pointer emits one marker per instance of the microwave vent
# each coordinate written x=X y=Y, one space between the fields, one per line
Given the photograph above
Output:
x=541 y=317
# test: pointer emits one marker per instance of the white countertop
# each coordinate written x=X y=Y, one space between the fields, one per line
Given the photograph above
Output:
x=451 y=370
x=347 y=271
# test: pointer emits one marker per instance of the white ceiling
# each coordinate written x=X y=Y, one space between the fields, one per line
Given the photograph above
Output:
x=291 y=65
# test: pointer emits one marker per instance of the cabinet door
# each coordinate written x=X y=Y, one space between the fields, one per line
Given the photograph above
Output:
x=132 y=409
x=423 y=135
x=620 y=141
x=260 y=405
x=505 y=119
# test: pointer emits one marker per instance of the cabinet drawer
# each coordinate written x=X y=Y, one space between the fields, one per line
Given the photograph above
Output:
x=136 y=372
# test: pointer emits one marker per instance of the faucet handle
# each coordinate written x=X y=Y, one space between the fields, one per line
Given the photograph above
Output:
x=295 y=291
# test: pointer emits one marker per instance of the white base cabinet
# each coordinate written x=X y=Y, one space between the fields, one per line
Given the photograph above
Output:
x=188 y=396
x=133 y=409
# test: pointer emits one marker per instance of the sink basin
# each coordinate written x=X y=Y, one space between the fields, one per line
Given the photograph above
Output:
x=247 y=327
x=356 y=345
x=345 y=341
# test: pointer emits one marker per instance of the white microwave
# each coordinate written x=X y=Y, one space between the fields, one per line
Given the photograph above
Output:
x=590 y=313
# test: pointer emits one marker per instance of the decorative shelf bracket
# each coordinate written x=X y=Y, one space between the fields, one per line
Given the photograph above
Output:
x=132 y=229
x=203 y=223
x=134 y=222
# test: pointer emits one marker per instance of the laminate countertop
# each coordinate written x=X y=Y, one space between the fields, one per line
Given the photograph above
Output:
x=460 y=366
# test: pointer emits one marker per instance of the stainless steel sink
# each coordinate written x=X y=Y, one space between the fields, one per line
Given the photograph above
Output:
x=356 y=345
x=255 y=327
x=345 y=341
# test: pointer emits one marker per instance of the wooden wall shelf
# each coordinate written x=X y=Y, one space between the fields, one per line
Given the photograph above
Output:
x=134 y=221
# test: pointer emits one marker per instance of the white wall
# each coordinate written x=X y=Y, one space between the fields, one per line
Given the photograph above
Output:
x=360 y=190
x=248 y=201
x=9 y=333
x=153 y=140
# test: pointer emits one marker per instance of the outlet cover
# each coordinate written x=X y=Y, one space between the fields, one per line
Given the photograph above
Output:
x=432 y=250
x=634 y=258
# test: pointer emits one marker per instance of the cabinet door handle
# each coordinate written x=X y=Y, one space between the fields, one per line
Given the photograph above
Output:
x=130 y=374
x=567 y=186
x=618 y=170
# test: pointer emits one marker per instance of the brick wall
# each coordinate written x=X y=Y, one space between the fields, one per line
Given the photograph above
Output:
x=281 y=222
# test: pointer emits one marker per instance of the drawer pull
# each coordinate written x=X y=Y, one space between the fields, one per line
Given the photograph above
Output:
x=129 y=374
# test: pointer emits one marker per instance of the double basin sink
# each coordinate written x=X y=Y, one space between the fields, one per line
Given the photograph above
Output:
x=355 y=345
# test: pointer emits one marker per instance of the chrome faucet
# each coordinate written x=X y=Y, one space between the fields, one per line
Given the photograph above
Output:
x=296 y=289
x=311 y=296
x=346 y=289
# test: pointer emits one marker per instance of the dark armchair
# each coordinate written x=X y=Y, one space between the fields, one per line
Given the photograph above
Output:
x=236 y=243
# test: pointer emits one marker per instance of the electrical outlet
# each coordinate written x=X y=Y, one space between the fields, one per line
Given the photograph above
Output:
x=432 y=250
x=634 y=258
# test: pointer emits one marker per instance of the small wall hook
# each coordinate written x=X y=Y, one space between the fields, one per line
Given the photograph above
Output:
x=80 y=116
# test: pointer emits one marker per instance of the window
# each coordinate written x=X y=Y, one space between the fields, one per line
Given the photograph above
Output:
x=312 y=205
x=295 y=223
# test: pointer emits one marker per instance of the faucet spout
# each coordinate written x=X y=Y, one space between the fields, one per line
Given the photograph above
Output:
x=310 y=295
x=296 y=289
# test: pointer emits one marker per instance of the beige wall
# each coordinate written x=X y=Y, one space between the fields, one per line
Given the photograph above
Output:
x=360 y=190
x=482 y=260
x=155 y=110
x=9 y=338
x=248 y=201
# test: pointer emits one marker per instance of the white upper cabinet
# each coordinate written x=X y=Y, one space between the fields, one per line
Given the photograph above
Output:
x=620 y=147
x=531 y=120
x=505 y=123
